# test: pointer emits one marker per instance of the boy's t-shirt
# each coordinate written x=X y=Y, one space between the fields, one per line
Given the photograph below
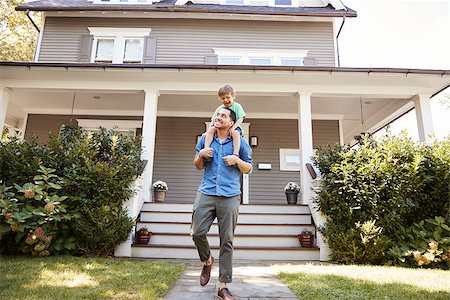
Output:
x=236 y=107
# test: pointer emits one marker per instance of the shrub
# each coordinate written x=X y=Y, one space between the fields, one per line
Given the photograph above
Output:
x=95 y=172
x=35 y=214
x=391 y=180
x=426 y=243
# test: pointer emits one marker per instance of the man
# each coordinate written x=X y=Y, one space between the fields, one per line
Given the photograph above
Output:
x=219 y=196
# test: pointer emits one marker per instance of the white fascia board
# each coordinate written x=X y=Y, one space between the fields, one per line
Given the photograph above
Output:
x=41 y=33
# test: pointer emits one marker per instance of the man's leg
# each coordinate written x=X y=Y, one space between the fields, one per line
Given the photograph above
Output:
x=204 y=213
x=227 y=215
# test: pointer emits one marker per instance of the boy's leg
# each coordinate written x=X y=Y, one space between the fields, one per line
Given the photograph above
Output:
x=209 y=136
x=227 y=215
x=236 y=142
x=204 y=213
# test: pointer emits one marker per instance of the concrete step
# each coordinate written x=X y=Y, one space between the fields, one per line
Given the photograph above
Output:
x=239 y=240
x=248 y=253
x=244 y=218
x=248 y=208
x=248 y=229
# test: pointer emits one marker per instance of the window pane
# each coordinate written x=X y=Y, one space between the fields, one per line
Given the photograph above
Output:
x=291 y=62
x=234 y=1
x=104 y=50
x=229 y=61
x=133 y=50
x=261 y=61
x=282 y=2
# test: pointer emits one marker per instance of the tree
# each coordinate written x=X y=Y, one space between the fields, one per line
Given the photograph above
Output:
x=18 y=36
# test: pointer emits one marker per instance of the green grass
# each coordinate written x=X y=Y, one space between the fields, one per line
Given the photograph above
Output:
x=365 y=282
x=84 y=278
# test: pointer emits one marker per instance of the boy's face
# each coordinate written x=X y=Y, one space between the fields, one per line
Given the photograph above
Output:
x=227 y=99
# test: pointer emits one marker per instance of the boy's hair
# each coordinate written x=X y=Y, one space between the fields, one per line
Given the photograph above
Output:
x=225 y=90
x=232 y=114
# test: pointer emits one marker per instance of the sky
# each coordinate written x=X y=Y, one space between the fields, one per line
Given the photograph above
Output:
x=400 y=34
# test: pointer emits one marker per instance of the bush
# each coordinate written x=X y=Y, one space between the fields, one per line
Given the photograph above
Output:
x=426 y=243
x=95 y=172
x=391 y=180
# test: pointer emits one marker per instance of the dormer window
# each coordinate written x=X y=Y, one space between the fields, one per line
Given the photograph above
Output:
x=283 y=2
x=234 y=2
x=124 y=1
x=118 y=45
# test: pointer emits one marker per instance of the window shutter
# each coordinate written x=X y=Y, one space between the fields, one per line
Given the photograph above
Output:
x=212 y=59
x=149 y=50
x=86 y=48
x=309 y=61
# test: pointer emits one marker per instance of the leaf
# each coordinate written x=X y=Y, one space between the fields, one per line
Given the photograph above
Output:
x=19 y=236
x=55 y=185
x=4 y=229
x=445 y=226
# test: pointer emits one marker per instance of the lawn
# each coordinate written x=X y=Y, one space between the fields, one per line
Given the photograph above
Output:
x=364 y=282
x=84 y=278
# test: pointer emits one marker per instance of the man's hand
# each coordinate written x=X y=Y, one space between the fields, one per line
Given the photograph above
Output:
x=207 y=152
x=231 y=160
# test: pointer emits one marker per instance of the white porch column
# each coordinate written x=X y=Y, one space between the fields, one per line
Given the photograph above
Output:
x=423 y=115
x=148 y=139
x=306 y=153
x=5 y=95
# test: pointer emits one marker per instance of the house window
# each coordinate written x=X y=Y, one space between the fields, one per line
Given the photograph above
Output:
x=290 y=3
x=291 y=62
x=123 y=1
x=118 y=45
x=261 y=61
x=259 y=57
x=283 y=2
x=290 y=160
x=234 y=1
x=229 y=60
x=123 y=127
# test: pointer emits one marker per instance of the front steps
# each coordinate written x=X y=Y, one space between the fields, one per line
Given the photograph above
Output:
x=264 y=232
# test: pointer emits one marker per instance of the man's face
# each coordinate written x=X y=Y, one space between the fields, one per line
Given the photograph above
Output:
x=223 y=119
x=227 y=99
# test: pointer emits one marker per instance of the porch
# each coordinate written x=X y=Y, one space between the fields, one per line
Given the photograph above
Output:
x=288 y=108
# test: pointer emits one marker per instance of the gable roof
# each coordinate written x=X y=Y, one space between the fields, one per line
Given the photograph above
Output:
x=169 y=6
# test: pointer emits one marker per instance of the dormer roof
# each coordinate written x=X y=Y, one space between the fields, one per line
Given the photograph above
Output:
x=328 y=10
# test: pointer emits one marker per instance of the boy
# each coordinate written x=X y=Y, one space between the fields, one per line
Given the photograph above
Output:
x=227 y=96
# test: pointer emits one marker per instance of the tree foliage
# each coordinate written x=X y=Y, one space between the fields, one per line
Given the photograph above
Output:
x=18 y=36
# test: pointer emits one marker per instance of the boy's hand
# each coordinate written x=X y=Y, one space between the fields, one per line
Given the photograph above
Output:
x=204 y=134
x=207 y=152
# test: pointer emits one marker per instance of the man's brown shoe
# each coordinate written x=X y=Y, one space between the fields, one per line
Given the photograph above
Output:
x=225 y=294
x=206 y=273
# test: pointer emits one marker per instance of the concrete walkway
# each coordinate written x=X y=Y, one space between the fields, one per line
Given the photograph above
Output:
x=252 y=280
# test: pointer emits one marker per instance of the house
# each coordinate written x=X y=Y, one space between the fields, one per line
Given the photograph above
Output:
x=154 y=67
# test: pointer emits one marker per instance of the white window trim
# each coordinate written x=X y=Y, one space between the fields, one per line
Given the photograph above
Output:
x=119 y=35
x=289 y=152
x=294 y=3
x=119 y=125
x=276 y=55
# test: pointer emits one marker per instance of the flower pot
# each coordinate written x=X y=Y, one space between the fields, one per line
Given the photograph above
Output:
x=306 y=240
x=159 y=195
x=143 y=237
x=291 y=198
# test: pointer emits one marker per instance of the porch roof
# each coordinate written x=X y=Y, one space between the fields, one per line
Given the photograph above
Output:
x=187 y=90
x=169 y=6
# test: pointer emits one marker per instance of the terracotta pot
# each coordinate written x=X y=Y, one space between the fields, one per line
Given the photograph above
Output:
x=306 y=240
x=143 y=237
x=291 y=198
x=159 y=195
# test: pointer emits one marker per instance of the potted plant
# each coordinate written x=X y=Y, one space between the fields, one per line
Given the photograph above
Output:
x=306 y=238
x=291 y=190
x=143 y=236
x=159 y=191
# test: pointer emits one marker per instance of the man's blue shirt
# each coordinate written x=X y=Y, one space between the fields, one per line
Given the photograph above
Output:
x=219 y=179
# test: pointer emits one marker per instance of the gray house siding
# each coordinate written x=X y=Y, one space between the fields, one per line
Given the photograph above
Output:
x=175 y=150
x=187 y=41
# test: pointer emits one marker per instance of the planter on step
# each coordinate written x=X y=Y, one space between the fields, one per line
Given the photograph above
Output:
x=291 y=197
x=143 y=236
x=159 y=195
x=306 y=240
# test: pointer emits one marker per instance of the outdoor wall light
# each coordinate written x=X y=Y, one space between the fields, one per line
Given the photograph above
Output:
x=254 y=141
